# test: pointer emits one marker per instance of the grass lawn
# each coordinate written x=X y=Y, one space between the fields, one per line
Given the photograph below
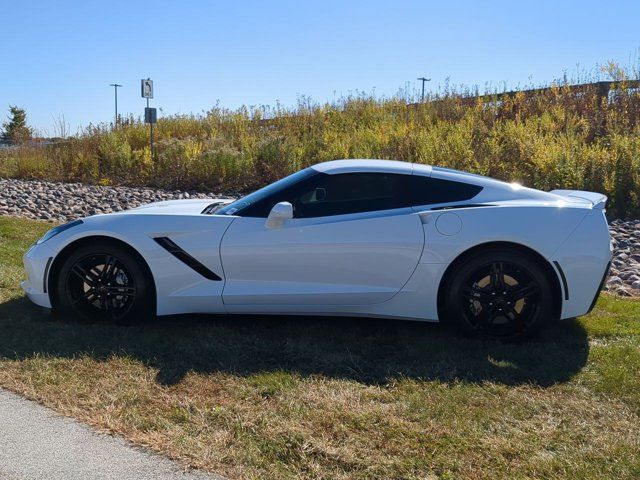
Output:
x=268 y=397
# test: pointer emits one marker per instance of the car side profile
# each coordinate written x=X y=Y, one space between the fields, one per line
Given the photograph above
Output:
x=374 y=238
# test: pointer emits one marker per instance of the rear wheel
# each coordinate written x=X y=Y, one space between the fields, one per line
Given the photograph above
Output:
x=499 y=294
x=104 y=282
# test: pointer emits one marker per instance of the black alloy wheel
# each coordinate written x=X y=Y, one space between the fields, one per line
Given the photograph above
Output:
x=502 y=295
x=104 y=283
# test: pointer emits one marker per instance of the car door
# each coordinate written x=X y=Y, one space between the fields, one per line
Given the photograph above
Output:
x=353 y=240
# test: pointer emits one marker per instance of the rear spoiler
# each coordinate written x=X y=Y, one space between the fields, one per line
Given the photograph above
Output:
x=597 y=200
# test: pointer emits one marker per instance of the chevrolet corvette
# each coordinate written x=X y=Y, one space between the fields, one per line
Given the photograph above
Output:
x=372 y=238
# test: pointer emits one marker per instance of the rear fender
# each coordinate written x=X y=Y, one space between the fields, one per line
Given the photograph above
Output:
x=584 y=258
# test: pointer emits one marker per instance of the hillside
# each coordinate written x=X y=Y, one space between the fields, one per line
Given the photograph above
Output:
x=559 y=137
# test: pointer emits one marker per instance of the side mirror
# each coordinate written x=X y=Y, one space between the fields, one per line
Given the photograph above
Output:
x=279 y=213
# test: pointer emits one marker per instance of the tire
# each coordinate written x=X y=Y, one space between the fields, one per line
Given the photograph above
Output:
x=498 y=294
x=104 y=282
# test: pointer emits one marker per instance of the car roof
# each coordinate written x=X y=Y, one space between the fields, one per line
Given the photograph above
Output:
x=372 y=165
x=492 y=188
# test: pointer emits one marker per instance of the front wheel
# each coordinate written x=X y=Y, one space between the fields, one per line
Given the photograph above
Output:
x=499 y=294
x=104 y=282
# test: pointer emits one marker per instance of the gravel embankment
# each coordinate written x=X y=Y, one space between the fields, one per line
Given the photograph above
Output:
x=67 y=201
x=624 y=278
x=59 y=202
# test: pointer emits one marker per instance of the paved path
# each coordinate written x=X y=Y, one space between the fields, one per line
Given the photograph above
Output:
x=38 y=444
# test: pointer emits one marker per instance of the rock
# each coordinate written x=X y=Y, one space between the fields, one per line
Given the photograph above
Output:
x=623 y=292
x=68 y=201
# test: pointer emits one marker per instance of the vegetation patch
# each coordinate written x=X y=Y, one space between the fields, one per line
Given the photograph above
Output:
x=305 y=397
x=556 y=138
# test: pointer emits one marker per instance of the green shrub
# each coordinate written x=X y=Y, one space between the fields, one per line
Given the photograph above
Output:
x=115 y=158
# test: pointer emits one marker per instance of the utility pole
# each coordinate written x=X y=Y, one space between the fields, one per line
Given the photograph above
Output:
x=424 y=80
x=115 y=90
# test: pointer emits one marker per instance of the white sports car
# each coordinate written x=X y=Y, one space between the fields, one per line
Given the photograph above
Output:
x=348 y=237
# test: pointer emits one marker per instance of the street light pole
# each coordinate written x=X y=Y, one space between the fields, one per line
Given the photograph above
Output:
x=115 y=89
x=424 y=80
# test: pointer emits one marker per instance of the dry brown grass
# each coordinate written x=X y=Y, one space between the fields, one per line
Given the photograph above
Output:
x=252 y=397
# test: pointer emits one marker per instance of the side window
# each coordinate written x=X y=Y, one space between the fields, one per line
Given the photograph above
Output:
x=260 y=202
x=429 y=191
x=344 y=193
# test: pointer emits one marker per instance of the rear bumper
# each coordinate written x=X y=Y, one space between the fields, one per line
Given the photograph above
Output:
x=585 y=258
x=602 y=282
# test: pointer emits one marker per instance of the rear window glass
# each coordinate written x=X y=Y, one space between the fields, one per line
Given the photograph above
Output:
x=430 y=191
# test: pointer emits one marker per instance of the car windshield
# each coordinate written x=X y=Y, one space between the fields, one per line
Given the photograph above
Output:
x=242 y=203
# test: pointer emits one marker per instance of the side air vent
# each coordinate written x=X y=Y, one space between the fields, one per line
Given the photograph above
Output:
x=171 y=247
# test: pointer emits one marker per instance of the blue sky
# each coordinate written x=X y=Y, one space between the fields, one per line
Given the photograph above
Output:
x=59 y=57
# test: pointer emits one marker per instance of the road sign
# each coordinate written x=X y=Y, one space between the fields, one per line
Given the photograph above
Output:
x=150 y=115
x=146 y=88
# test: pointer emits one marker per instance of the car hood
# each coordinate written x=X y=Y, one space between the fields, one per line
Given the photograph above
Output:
x=177 y=207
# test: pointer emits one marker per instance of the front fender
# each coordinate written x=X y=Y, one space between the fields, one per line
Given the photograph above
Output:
x=179 y=288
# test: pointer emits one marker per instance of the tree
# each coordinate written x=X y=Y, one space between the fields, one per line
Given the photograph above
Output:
x=16 y=130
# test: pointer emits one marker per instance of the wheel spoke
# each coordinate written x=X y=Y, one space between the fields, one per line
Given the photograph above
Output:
x=87 y=277
x=523 y=291
x=124 y=292
x=509 y=311
x=85 y=298
x=497 y=275
x=121 y=289
x=108 y=268
x=103 y=302
x=488 y=315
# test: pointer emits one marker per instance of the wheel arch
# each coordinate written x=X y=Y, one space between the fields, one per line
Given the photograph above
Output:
x=545 y=264
x=60 y=258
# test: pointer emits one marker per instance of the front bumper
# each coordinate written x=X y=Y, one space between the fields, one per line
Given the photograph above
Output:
x=37 y=262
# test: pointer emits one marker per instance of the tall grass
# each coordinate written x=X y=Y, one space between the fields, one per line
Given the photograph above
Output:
x=556 y=138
